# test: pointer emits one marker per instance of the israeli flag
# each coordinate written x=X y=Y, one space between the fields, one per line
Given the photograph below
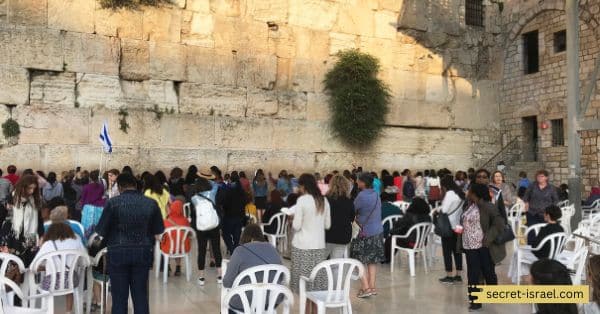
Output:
x=105 y=138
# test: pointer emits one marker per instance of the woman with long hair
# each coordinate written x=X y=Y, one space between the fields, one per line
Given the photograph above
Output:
x=234 y=204
x=155 y=190
x=273 y=207
x=53 y=188
x=260 y=189
x=311 y=218
x=551 y=272
x=176 y=182
x=18 y=235
x=92 y=200
x=452 y=203
x=112 y=188
x=190 y=177
x=593 y=280
x=339 y=235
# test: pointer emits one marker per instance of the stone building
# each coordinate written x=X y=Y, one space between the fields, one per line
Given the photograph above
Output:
x=238 y=83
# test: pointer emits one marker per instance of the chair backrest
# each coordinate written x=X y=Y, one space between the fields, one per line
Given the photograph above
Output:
x=339 y=271
x=260 y=299
x=177 y=237
x=580 y=263
x=562 y=204
x=7 y=307
x=565 y=220
x=60 y=262
x=556 y=241
x=390 y=220
x=187 y=211
x=281 y=220
x=421 y=230
x=534 y=228
x=402 y=205
x=6 y=259
x=262 y=274
x=4 y=283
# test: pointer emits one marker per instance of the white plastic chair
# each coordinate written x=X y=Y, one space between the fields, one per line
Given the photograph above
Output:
x=572 y=248
x=59 y=263
x=339 y=271
x=187 y=211
x=280 y=233
x=390 y=220
x=91 y=280
x=259 y=275
x=177 y=249
x=562 y=204
x=579 y=266
x=565 y=220
x=259 y=299
x=5 y=260
x=556 y=242
x=6 y=305
x=591 y=210
x=71 y=221
x=422 y=231
x=514 y=216
x=402 y=205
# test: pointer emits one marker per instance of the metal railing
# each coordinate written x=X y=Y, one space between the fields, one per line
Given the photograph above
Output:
x=509 y=154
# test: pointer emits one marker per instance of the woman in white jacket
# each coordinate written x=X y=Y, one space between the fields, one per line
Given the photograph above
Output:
x=452 y=205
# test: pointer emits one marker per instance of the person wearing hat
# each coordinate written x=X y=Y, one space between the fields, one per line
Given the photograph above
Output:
x=368 y=247
x=60 y=237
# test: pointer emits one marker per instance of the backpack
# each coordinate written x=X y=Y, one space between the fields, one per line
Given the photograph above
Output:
x=207 y=217
x=408 y=189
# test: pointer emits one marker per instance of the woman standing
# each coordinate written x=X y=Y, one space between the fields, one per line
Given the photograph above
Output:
x=311 y=218
x=368 y=246
x=260 y=190
x=234 y=204
x=339 y=235
x=398 y=184
x=53 y=188
x=92 y=200
x=508 y=193
x=112 y=189
x=452 y=205
x=18 y=235
x=481 y=225
x=176 y=182
x=155 y=190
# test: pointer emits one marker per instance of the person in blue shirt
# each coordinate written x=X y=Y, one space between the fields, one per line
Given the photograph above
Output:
x=377 y=184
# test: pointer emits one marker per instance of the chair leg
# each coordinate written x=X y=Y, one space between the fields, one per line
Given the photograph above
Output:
x=518 y=268
x=392 y=259
x=302 y=305
x=188 y=270
x=165 y=268
x=425 y=259
x=320 y=308
x=102 y=297
x=411 y=263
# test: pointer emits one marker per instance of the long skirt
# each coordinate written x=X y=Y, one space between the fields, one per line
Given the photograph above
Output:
x=369 y=250
x=303 y=262
x=89 y=218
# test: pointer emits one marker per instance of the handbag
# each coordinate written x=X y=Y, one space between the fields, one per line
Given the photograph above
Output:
x=357 y=229
x=441 y=222
x=507 y=235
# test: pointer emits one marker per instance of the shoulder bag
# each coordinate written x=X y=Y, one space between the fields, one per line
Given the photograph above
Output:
x=357 y=229
x=441 y=222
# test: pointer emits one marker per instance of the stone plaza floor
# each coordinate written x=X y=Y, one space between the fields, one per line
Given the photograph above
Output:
x=397 y=293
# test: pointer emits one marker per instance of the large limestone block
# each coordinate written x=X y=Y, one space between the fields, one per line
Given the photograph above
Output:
x=3 y=11
x=418 y=141
x=89 y=53
x=162 y=24
x=341 y=41
x=209 y=99
x=391 y=5
x=261 y=103
x=439 y=89
x=297 y=162
x=28 y=12
x=197 y=29
x=382 y=49
x=303 y=74
x=242 y=36
x=167 y=159
x=226 y=7
x=14 y=85
x=243 y=133
x=257 y=71
x=386 y=24
x=411 y=15
x=314 y=14
x=317 y=107
x=167 y=61
x=326 y=161
x=187 y=131
x=143 y=129
x=246 y=160
x=355 y=19
x=403 y=56
x=150 y=94
x=268 y=10
x=122 y=23
x=36 y=48
x=419 y=113
x=95 y=90
x=135 y=60
x=291 y=105
x=201 y=6
x=71 y=15
x=311 y=44
x=43 y=126
x=297 y=135
x=476 y=105
x=53 y=90
x=16 y=155
x=210 y=66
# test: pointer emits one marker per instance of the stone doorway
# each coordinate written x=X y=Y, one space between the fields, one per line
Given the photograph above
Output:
x=530 y=139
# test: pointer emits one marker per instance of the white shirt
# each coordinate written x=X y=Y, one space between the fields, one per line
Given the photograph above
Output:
x=309 y=225
x=67 y=244
x=450 y=203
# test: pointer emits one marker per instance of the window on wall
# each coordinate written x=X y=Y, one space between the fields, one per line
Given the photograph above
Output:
x=531 y=58
x=558 y=133
x=560 y=41
x=474 y=12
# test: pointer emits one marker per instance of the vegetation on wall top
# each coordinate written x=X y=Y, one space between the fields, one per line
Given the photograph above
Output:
x=131 y=4
x=10 y=128
x=358 y=99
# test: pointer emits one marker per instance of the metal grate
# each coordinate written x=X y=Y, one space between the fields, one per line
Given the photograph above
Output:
x=474 y=12
x=558 y=132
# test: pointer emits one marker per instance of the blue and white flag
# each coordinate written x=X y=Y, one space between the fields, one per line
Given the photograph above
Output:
x=105 y=139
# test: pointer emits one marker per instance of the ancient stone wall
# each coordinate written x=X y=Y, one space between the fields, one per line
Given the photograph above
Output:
x=238 y=83
x=543 y=94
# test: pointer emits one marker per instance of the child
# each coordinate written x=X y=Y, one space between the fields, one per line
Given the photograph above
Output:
x=175 y=218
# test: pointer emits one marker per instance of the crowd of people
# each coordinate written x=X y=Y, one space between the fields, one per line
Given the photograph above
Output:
x=330 y=216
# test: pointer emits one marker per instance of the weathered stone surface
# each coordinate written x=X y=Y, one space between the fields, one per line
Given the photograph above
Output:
x=14 y=85
x=40 y=126
x=241 y=36
x=151 y=94
x=355 y=19
x=89 y=53
x=3 y=11
x=317 y=107
x=35 y=48
x=243 y=133
x=209 y=99
x=226 y=7
x=261 y=103
x=52 y=89
x=167 y=61
x=197 y=29
x=296 y=161
x=291 y=105
x=268 y=10
x=162 y=24
x=122 y=23
x=135 y=60
x=197 y=131
x=386 y=23
x=411 y=15
x=392 y=5
x=28 y=12
x=102 y=91
x=315 y=14
x=201 y=6
x=71 y=15
x=257 y=71
x=290 y=135
x=210 y=66
x=340 y=41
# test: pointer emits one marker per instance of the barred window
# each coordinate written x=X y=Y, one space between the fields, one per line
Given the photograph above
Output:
x=474 y=12
x=558 y=133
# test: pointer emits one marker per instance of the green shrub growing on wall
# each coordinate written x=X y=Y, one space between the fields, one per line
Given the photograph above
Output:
x=358 y=98
x=10 y=128
x=131 y=4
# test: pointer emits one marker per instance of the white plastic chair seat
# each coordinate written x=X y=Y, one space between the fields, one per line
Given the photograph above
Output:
x=524 y=253
x=422 y=231
x=321 y=296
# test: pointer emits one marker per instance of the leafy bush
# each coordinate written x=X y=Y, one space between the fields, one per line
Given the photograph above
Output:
x=10 y=128
x=358 y=98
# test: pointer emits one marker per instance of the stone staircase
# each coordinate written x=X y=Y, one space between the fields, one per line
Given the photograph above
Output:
x=512 y=171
